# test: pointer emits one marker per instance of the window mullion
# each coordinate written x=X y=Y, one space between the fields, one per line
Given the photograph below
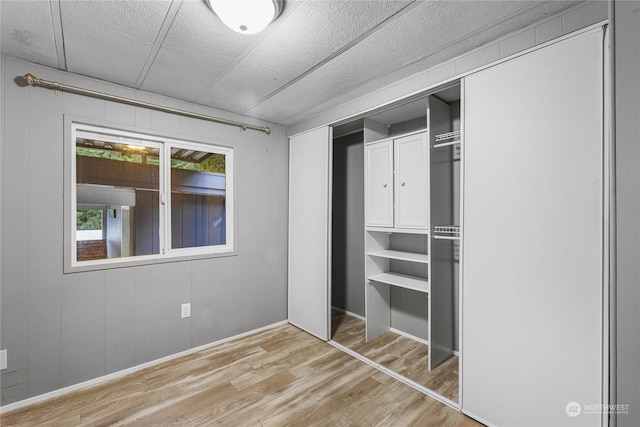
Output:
x=165 y=199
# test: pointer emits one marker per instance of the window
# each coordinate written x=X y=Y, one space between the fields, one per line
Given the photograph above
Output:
x=136 y=197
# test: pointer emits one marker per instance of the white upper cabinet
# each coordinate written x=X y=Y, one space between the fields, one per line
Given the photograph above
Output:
x=379 y=184
x=412 y=183
x=397 y=182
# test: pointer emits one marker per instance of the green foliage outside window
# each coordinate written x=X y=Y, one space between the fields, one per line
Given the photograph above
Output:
x=215 y=163
x=109 y=155
x=89 y=219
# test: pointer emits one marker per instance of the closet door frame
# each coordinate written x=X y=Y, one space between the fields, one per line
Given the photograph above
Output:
x=608 y=209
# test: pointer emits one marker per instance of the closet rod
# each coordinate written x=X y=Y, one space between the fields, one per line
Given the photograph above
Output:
x=32 y=80
x=446 y=237
x=445 y=144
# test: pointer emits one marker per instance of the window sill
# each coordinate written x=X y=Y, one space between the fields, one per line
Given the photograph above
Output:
x=83 y=266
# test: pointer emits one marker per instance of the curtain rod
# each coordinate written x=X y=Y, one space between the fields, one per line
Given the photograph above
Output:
x=32 y=80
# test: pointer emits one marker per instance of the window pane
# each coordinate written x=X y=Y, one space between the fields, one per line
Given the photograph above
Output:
x=121 y=183
x=198 y=196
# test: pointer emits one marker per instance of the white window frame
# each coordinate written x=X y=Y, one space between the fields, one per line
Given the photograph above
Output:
x=164 y=144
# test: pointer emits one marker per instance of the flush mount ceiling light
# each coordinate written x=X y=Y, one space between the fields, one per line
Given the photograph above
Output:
x=246 y=16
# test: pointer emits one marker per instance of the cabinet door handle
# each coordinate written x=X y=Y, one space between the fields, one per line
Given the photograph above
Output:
x=402 y=184
x=384 y=185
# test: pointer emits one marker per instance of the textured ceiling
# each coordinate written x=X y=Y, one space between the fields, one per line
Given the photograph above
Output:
x=317 y=54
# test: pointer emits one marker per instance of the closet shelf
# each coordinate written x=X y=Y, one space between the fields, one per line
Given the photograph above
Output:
x=401 y=255
x=446 y=232
x=448 y=135
x=402 y=281
x=440 y=139
x=391 y=230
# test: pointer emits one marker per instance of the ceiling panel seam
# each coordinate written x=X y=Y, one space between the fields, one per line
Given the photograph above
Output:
x=157 y=44
x=454 y=42
x=58 y=33
x=336 y=54
x=424 y=57
x=290 y=7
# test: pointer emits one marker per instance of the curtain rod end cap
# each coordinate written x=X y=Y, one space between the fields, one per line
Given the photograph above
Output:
x=30 y=79
x=267 y=131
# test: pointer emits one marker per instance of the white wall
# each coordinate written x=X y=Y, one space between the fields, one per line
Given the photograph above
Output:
x=627 y=53
x=62 y=329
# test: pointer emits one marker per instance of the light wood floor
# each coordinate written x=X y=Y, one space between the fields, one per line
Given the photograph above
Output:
x=279 y=377
x=403 y=355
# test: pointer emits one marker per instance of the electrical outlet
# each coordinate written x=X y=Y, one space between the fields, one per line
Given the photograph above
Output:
x=3 y=359
x=186 y=310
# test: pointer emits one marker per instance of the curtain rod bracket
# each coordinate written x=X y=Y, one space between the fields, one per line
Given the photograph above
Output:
x=32 y=80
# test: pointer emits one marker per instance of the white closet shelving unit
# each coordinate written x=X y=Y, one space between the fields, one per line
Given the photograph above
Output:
x=404 y=192
x=398 y=259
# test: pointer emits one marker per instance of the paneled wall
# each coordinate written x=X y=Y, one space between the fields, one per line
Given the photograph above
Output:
x=62 y=329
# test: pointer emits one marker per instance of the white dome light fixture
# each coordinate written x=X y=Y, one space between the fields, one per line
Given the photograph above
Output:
x=246 y=16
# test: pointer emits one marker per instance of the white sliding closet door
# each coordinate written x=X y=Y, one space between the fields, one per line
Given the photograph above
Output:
x=309 y=231
x=533 y=237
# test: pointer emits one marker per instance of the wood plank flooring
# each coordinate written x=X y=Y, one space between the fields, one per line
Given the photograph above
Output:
x=279 y=377
x=403 y=355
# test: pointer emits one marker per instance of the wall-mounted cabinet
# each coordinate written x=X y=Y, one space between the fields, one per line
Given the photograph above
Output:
x=379 y=184
x=396 y=182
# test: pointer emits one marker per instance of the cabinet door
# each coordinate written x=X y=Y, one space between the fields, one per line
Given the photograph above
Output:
x=412 y=181
x=379 y=184
x=309 y=231
x=533 y=237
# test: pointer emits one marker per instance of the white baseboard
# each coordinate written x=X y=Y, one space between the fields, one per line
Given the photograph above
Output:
x=66 y=390
x=357 y=316
x=413 y=337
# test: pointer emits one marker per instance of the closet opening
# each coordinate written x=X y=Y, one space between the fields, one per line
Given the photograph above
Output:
x=347 y=233
x=395 y=240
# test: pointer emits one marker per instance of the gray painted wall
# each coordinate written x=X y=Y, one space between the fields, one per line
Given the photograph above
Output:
x=347 y=256
x=409 y=312
x=627 y=51
x=62 y=329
